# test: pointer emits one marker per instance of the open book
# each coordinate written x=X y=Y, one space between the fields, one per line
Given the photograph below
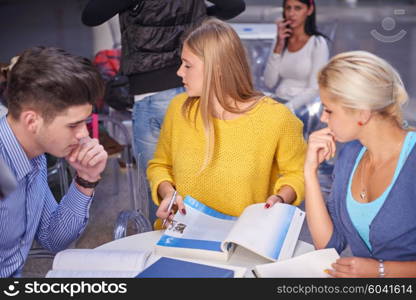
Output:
x=311 y=264
x=205 y=233
x=94 y=263
x=99 y=263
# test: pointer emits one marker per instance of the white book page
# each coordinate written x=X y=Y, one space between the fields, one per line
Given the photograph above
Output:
x=302 y=248
x=309 y=265
x=199 y=226
x=260 y=230
x=100 y=260
x=91 y=274
x=292 y=235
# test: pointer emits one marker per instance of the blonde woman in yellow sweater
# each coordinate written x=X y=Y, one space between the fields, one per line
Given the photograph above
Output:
x=222 y=142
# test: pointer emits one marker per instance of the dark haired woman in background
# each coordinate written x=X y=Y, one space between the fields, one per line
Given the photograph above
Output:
x=299 y=52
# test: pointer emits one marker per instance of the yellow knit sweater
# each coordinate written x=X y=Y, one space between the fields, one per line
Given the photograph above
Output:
x=254 y=155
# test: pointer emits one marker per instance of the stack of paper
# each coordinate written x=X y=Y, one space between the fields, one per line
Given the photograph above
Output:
x=311 y=264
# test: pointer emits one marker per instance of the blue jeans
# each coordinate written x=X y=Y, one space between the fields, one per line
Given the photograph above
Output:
x=148 y=115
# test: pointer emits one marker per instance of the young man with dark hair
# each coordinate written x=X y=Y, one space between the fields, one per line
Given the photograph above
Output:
x=50 y=94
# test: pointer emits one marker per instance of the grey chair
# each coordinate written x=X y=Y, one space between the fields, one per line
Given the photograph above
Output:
x=59 y=176
x=330 y=30
x=136 y=182
x=258 y=51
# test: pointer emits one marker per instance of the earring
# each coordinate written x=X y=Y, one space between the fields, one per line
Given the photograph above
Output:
x=360 y=123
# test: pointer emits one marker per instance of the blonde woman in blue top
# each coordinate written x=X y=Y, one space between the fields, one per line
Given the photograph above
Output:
x=372 y=205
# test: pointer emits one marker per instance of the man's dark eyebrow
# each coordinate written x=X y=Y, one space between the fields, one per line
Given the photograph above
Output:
x=79 y=122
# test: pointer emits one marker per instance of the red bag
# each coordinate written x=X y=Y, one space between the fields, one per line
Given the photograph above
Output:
x=108 y=62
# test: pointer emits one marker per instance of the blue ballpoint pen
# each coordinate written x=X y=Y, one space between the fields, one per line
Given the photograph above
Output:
x=172 y=200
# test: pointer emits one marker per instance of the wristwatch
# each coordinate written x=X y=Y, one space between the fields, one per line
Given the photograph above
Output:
x=85 y=183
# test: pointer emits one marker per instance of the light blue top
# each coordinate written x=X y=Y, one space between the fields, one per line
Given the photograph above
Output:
x=31 y=212
x=393 y=229
x=362 y=214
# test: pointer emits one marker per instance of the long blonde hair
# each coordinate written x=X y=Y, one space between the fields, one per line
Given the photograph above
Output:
x=361 y=80
x=227 y=75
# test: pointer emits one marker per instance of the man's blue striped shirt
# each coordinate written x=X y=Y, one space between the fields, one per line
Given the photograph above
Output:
x=31 y=211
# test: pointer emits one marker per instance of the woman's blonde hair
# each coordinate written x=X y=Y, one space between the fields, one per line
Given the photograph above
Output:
x=361 y=80
x=227 y=75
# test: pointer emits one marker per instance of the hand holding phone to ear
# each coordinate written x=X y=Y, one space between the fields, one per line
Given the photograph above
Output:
x=284 y=31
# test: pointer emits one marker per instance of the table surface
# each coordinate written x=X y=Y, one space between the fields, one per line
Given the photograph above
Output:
x=240 y=258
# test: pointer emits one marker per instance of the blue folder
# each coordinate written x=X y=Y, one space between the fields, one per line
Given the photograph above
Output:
x=175 y=268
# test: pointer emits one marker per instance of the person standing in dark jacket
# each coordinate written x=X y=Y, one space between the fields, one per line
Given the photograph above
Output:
x=151 y=33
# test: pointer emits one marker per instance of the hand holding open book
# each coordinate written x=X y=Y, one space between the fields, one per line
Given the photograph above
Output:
x=208 y=234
